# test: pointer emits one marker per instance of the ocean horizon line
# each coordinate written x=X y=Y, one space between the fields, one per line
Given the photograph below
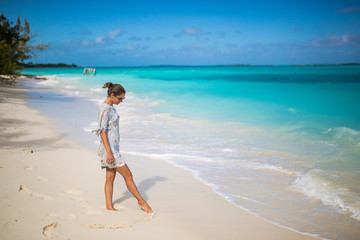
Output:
x=208 y=65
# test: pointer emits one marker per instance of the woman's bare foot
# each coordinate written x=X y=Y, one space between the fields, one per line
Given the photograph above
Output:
x=144 y=206
x=111 y=208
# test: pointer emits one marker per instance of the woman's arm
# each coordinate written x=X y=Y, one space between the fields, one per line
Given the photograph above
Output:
x=104 y=139
x=109 y=155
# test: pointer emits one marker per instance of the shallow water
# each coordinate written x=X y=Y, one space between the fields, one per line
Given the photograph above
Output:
x=281 y=141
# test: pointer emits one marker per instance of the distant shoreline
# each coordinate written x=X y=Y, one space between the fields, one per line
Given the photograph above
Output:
x=315 y=64
x=251 y=65
x=49 y=65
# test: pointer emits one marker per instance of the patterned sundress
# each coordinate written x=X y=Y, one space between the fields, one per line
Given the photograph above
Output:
x=110 y=125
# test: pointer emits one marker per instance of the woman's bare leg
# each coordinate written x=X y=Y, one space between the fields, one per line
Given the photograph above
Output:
x=109 y=186
x=128 y=177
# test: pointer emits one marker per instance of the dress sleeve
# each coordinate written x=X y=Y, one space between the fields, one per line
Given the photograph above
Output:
x=104 y=118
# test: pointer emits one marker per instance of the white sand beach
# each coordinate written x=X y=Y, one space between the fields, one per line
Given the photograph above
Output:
x=52 y=188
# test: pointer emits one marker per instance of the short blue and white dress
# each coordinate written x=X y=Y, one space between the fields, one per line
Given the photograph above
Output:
x=110 y=125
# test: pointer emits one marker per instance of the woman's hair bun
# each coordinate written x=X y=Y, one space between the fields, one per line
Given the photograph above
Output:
x=116 y=89
x=107 y=85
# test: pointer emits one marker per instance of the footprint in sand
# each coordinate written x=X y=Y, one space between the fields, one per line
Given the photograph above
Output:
x=77 y=198
x=86 y=206
x=147 y=217
x=29 y=168
x=49 y=231
x=31 y=152
x=25 y=189
x=41 y=179
x=28 y=150
x=66 y=216
x=74 y=194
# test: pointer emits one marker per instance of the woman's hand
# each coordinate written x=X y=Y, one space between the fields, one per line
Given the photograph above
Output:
x=109 y=158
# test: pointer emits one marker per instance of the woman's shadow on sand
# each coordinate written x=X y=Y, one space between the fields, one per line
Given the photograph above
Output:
x=143 y=187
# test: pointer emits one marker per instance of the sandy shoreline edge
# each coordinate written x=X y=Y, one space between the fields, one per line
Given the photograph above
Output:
x=52 y=188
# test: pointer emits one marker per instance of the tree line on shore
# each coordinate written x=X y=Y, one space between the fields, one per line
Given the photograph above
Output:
x=48 y=65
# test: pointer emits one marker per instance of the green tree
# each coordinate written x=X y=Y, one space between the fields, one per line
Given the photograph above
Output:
x=16 y=45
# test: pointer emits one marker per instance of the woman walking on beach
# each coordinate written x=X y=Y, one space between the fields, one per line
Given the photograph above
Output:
x=110 y=157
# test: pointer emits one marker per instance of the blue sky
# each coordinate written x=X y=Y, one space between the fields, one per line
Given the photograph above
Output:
x=133 y=33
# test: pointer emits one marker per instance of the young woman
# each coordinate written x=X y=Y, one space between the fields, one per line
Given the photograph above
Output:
x=110 y=157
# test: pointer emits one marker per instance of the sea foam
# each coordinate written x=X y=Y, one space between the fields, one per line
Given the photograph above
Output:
x=321 y=185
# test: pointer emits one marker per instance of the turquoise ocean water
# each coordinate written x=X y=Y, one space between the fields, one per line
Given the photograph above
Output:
x=280 y=141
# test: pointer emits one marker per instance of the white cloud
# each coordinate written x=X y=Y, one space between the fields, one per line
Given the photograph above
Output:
x=114 y=34
x=100 y=39
x=336 y=41
x=111 y=36
x=194 y=32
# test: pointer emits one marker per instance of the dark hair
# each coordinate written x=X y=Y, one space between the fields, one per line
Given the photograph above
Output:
x=116 y=89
